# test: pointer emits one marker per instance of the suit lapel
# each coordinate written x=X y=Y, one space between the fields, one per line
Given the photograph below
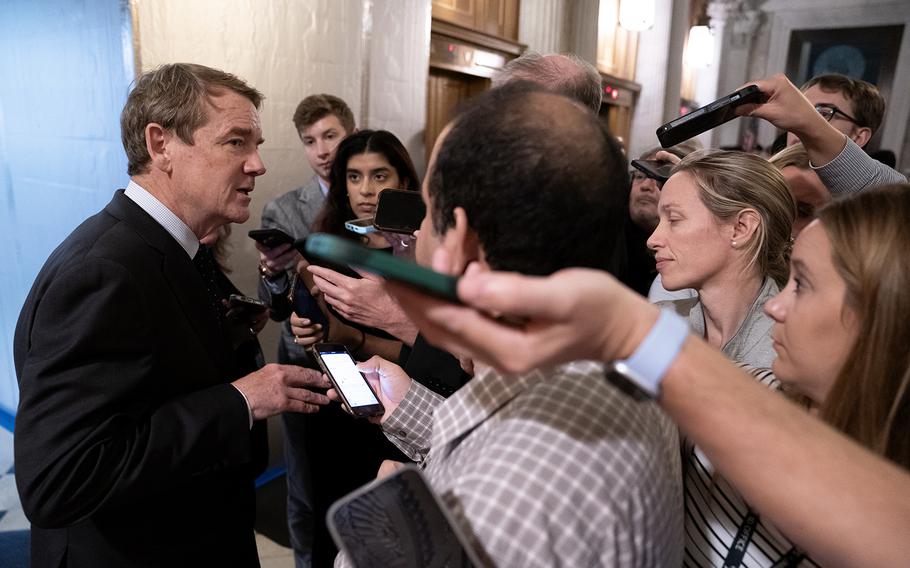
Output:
x=182 y=277
x=311 y=199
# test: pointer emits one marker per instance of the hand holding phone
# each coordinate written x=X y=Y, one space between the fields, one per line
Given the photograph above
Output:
x=340 y=251
x=356 y=393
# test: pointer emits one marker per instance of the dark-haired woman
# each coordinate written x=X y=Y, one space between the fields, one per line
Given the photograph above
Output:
x=344 y=452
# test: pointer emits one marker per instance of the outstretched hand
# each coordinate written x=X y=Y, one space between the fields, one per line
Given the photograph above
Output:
x=388 y=381
x=573 y=314
x=274 y=389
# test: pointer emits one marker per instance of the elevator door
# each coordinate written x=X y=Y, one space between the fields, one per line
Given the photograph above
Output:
x=446 y=91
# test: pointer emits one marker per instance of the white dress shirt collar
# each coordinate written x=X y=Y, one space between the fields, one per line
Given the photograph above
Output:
x=164 y=216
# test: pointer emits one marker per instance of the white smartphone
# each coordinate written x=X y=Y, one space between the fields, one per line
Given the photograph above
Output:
x=347 y=379
x=362 y=226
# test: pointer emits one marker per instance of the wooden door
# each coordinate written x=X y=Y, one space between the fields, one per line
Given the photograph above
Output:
x=446 y=91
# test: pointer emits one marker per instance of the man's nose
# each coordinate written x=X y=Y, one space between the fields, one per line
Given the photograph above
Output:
x=255 y=166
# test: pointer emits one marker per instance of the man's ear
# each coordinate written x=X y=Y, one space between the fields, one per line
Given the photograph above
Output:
x=862 y=135
x=745 y=227
x=157 y=139
x=461 y=242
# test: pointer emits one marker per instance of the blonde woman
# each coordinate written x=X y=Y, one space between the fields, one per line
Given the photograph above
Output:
x=724 y=230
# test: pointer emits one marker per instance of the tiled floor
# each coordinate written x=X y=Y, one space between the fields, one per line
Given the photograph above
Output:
x=11 y=516
x=272 y=554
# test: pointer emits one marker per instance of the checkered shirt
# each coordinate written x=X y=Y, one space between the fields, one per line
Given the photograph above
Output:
x=552 y=468
x=853 y=170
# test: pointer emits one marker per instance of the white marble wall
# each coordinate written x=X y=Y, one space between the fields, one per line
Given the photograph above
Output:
x=658 y=71
x=770 y=44
x=289 y=49
x=543 y=25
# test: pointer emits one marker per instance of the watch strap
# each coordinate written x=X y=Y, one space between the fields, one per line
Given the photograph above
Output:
x=654 y=355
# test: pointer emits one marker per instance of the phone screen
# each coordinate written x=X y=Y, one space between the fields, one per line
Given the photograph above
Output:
x=348 y=378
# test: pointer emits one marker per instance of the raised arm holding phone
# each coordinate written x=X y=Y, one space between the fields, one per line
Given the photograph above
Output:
x=840 y=163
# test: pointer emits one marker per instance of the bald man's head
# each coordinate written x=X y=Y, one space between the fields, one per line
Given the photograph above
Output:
x=542 y=184
x=567 y=75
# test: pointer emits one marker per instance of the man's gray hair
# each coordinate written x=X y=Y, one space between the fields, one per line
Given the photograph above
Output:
x=565 y=74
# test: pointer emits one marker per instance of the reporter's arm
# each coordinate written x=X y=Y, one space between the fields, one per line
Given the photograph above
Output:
x=836 y=500
x=853 y=170
x=843 y=505
x=842 y=166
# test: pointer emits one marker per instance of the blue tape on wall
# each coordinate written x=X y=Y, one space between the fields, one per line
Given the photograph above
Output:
x=7 y=419
x=65 y=71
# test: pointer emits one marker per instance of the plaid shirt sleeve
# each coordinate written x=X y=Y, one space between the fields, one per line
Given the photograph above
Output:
x=853 y=171
x=410 y=426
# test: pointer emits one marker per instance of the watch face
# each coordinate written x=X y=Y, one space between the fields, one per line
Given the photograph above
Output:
x=616 y=375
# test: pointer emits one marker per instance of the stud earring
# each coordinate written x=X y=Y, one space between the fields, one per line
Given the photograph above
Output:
x=733 y=244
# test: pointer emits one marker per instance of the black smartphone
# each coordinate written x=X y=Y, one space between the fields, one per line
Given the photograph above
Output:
x=399 y=521
x=306 y=306
x=358 y=395
x=399 y=211
x=707 y=117
x=341 y=251
x=247 y=303
x=270 y=238
x=655 y=169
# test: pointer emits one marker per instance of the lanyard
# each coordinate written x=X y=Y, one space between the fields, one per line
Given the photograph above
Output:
x=742 y=540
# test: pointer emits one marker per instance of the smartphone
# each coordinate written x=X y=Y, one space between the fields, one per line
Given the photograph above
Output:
x=399 y=521
x=399 y=211
x=270 y=238
x=252 y=304
x=655 y=169
x=341 y=251
x=707 y=117
x=358 y=395
x=306 y=306
x=362 y=226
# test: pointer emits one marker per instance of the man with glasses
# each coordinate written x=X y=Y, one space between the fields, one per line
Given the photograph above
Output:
x=831 y=129
x=852 y=106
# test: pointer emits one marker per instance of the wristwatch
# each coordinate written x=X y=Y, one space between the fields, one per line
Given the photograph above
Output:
x=646 y=368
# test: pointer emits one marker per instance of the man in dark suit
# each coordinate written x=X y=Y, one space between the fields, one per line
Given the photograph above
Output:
x=135 y=432
x=322 y=122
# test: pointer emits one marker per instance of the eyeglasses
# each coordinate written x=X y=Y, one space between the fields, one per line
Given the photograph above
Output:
x=829 y=111
x=637 y=176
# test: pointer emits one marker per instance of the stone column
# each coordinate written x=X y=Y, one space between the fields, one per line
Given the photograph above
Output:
x=734 y=23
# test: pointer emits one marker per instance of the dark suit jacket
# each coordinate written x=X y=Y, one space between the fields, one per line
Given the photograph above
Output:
x=131 y=447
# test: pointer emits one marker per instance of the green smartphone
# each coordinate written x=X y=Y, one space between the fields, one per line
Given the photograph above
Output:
x=342 y=251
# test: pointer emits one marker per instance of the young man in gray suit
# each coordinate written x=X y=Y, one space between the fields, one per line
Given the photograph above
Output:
x=322 y=121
